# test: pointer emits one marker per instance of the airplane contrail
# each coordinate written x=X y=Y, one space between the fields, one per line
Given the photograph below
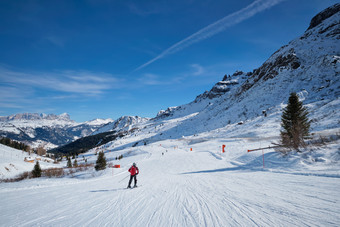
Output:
x=216 y=27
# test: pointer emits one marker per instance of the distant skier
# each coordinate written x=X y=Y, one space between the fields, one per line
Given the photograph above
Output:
x=134 y=171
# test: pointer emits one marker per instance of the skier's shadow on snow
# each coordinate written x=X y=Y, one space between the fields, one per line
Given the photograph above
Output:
x=108 y=190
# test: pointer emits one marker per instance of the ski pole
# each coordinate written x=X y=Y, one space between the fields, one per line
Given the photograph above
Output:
x=123 y=178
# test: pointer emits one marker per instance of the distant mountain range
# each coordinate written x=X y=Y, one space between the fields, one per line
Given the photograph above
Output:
x=47 y=130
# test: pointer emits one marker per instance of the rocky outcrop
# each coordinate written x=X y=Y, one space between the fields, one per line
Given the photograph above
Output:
x=271 y=69
x=320 y=17
x=228 y=83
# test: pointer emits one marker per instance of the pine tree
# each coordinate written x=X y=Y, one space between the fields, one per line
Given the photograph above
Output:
x=295 y=123
x=36 y=172
x=69 y=163
x=75 y=163
x=101 y=162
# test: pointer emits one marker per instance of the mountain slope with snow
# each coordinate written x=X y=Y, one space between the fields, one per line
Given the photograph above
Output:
x=308 y=65
x=13 y=162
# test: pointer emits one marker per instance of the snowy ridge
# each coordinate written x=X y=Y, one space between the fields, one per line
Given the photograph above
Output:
x=124 y=123
x=99 y=121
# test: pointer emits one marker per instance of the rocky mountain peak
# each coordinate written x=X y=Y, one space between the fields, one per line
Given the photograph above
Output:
x=323 y=15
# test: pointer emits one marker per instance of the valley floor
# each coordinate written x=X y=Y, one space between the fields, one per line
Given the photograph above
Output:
x=177 y=188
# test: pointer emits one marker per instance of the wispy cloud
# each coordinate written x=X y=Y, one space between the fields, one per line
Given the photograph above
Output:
x=47 y=91
x=216 y=27
x=57 y=41
x=150 y=79
x=14 y=97
x=198 y=69
x=76 y=82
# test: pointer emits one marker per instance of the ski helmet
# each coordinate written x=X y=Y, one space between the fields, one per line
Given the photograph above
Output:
x=134 y=164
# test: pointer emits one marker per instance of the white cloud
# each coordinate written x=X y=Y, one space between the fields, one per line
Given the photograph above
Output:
x=78 y=82
x=150 y=79
x=216 y=27
x=198 y=69
x=14 y=97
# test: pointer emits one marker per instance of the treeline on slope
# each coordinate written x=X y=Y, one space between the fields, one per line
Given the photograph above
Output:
x=86 y=143
x=14 y=144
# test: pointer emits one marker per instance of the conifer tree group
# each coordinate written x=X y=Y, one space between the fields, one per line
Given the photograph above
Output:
x=14 y=144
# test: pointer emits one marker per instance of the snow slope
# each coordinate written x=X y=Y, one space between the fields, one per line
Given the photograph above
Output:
x=12 y=162
x=179 y=187
x=187 y=181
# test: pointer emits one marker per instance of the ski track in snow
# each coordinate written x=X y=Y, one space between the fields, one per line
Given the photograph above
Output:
x=179 y=188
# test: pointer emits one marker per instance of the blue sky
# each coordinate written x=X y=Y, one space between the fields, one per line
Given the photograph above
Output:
x=109 y=58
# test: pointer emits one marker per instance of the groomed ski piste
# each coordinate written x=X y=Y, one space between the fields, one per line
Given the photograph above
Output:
x=188 y=181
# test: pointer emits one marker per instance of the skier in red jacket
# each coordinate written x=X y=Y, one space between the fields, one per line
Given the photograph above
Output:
x=134 y=171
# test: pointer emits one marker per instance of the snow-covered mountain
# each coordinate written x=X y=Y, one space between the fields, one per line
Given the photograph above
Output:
x=48 y=130
x=35 y=116
x=124 y=123
x=308 y=65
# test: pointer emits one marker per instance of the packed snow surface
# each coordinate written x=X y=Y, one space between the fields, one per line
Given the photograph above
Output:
x=186 y=182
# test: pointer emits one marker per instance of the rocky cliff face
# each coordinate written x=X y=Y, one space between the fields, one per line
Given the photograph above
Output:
x=315 y=51
x=325 y=14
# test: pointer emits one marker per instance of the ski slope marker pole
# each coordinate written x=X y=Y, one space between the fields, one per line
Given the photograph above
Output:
x=263 y=158
x=262 y=154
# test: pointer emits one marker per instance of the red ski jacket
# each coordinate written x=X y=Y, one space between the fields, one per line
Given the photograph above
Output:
x=133 y=170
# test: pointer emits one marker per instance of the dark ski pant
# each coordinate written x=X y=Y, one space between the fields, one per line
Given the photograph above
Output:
x=133 y=177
